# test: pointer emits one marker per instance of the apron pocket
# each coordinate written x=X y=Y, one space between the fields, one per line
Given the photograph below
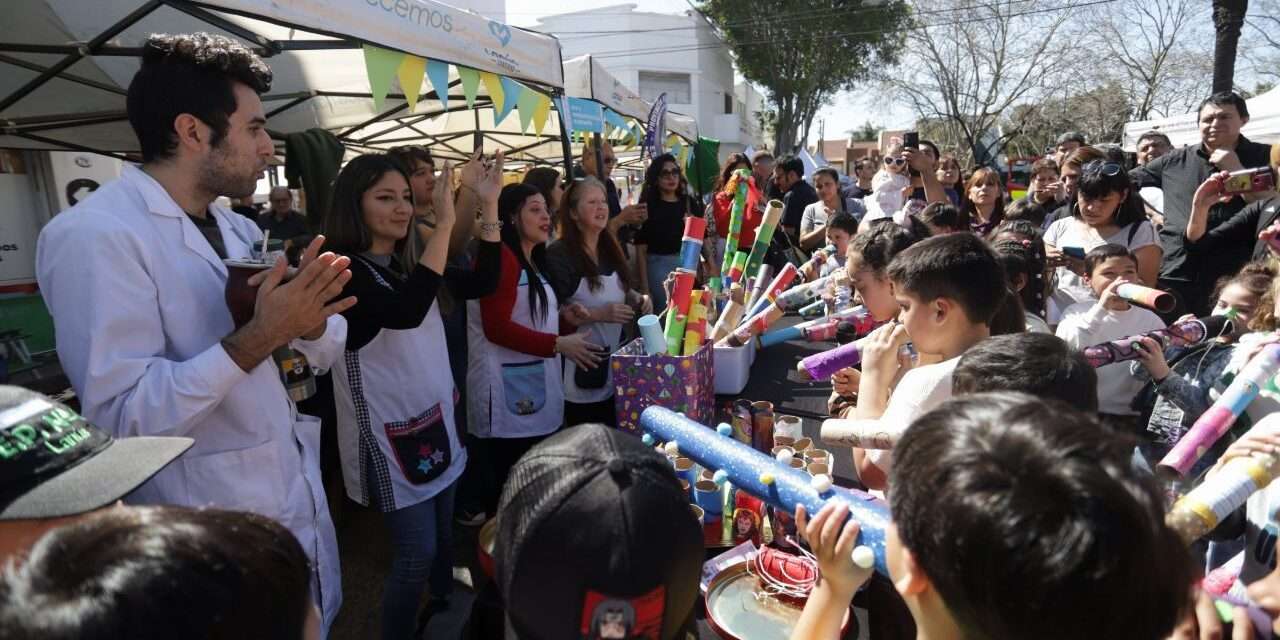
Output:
x=421 y=445
x=525 y=386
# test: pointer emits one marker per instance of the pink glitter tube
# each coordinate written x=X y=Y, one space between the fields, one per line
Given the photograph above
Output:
x=1215 y=422
x=1181 y=334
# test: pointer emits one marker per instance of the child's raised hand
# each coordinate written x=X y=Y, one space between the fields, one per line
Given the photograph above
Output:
x=832 y=545
x=1108 y=295
x=1151 y=355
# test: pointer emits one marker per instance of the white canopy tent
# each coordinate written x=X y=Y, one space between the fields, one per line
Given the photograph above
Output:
x=1263 y=126
x=65 y=73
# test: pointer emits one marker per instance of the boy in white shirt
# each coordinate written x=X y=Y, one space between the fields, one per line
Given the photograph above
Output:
x=1108 y=318
x=949 y=289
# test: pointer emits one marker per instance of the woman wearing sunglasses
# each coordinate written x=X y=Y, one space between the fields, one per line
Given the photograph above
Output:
x=1106 y=211
x=666 y=194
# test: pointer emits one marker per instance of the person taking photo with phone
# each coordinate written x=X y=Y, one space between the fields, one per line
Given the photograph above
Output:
x=1191 y=273
x=1247 y=226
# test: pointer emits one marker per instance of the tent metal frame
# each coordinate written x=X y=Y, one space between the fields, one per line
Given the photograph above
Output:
x=72 y=53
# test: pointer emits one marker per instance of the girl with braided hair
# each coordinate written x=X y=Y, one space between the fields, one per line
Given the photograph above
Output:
x=1020 y=250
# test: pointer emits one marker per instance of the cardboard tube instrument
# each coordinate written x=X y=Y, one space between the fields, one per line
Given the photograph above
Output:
x=764 y=235
x=691 y=244
x=681 y=291
x=818 y=259
x=862 y=434
x=737 y=267
x=675 y=333
x=821 y=366
x=695 y=329
x=1221 y=414
x=1161 y=301
x=771 y=293
x=1198 y=512
x=797 y=331
x=655 y=341
x=732 y=314
x=1180 y=334
x=763 y=276
x=760 y=475
x=736 y=213
x=802 y=294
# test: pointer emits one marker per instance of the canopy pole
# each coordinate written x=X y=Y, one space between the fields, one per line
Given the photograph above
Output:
x=566 y=146
x=84 y=51
x=596 y=146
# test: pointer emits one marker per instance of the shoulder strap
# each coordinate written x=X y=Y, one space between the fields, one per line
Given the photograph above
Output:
x=1133 y=231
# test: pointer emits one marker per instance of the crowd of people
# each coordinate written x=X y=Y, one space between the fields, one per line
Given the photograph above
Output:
x=1022 y=496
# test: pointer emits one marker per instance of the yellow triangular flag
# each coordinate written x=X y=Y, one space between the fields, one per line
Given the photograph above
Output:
x=411 y=70
x=493 y=84
x=470 y=83
x=381 y=65
x=540 y=114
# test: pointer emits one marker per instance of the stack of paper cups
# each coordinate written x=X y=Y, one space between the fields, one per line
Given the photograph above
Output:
x=691 y=247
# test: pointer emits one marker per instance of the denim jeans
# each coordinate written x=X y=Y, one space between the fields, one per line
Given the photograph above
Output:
x=658 y=267
x=421 y=554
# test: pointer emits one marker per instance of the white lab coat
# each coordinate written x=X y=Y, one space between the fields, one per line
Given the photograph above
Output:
x=137 y=298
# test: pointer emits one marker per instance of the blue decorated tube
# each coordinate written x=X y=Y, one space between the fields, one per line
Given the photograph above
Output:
x=764 y=477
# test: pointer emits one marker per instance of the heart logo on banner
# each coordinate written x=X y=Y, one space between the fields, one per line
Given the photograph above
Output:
x=500 y=31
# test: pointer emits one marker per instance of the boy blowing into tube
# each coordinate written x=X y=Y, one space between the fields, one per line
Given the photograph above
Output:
x=1012 y=518
x=950 y=289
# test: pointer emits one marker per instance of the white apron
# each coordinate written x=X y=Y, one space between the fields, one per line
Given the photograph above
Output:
x=605 y=334
x=395 y=412
x=512 y=394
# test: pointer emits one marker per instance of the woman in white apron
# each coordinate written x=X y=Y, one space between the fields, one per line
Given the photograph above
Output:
x=397 y=438
x=588 y=269
x=515 y=397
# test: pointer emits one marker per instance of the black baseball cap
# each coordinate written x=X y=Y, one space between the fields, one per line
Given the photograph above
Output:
x=595 y=532
x=54 y=463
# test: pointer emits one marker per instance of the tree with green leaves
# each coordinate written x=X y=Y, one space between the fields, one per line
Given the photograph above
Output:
x=803 y=52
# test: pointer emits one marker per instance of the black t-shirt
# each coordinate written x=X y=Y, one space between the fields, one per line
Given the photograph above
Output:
x=800 y=195
x=1179 y=173
x=208 y=226
x=664 y=230
x=294 y=225
x=566 y=274
x=1241 y=230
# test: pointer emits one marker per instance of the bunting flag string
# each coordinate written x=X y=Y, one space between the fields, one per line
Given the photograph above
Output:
x=438 y=74
x=381 y=66
x=410 y=73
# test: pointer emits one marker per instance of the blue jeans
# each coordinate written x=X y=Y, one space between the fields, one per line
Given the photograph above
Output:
x=658 y=266
x=421 y=554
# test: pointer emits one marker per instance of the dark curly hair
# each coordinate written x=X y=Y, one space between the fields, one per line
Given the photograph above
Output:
x=189 y=73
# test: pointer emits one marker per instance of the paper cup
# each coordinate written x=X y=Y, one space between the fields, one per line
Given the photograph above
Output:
x=707 y=474
x=782 y=441
x=817 y=455
x=686 y=470
x=802 y=445
x=819 y=469
x=789 y=427
x=698 y=513
x=781 y=447
x=797 y=463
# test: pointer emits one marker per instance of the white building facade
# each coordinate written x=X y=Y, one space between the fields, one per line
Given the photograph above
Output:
x=676 y=54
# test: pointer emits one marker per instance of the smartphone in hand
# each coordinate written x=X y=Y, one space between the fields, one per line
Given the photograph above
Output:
x=1250 y=181
x=911 y=140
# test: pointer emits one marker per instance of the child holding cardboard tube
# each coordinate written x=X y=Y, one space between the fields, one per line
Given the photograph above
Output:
x=1110 y=317
x=1177 y=390
x=979 y=486
x=950 y=289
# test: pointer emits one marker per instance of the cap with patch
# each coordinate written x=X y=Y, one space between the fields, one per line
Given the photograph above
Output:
x=596 y=539
x=54 y=463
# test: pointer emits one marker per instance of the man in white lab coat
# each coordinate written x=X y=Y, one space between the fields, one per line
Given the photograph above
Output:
x=134 y=278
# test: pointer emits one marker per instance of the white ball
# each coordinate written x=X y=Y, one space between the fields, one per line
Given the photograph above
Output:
x=821 y=483
x=864 y=557
x=784 y=456
x=672 y=448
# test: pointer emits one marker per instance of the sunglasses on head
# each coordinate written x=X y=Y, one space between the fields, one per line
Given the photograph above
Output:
x=895 y=161
x=1101 y=167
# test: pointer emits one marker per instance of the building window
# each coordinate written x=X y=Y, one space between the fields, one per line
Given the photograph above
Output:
x=728 y=103
x=675 y=85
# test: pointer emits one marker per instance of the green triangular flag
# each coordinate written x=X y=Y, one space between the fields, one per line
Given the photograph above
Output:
x=438 y=74
x=527 y=103
x=470 y=84
x=381 y=65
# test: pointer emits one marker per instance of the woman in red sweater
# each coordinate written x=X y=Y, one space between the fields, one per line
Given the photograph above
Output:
x=515 y=395
x=722 y=203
